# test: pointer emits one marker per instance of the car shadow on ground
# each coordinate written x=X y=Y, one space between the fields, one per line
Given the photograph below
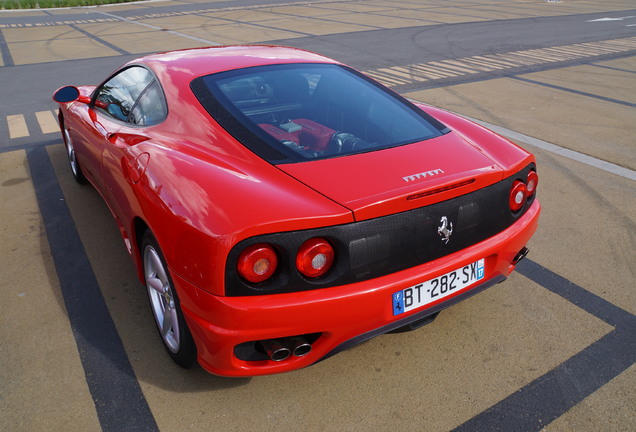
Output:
x=103 y=255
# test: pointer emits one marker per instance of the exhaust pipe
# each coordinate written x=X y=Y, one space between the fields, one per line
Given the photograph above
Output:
x=521 y=255
x=276 y=349
x=299 y=346
x=280 y=349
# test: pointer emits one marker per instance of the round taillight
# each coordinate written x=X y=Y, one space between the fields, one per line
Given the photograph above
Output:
x=257 y=263
x=315 y=257
x=531 y=183
x=517 y=195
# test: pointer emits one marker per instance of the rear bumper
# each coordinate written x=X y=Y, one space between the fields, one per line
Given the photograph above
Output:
x=344 y=315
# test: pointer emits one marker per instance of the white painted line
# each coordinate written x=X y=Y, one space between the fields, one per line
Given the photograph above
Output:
x=47 y=122
x=395 y=75
x=17 y=126
x=453 y=65
x=611 y=19
x=561 y=151
x=176 y=33
x=405 y=72
x=429 y=71
x=384 y=79
x=494 y=60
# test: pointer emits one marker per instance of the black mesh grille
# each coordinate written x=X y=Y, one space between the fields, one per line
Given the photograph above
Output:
x=384 y=245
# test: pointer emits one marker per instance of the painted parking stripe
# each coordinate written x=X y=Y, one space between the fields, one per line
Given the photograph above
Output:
x=498 y=60
x=566 y=53
x=437 y=71
x=561 y=151
x=384 y=75
x=118 y=398
x=548 y=397
x=454 y=66
x=17 y=126
x=47 y=122
x=487 y=63
x=483 y=65
x=529 y=58
x=56 y=23
x=429 y=72
x=173 y=32
x=399 y=73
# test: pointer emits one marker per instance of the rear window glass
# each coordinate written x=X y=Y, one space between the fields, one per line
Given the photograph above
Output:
x=300 y=112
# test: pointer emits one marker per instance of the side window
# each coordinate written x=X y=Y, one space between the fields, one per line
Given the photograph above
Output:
x=150 y=109
x=117 y=96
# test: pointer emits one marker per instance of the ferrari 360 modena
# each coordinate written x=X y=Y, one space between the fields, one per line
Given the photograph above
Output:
x=280 y=206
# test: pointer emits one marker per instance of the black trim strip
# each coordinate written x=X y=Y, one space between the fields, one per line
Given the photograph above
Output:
x=118 y=398
x=384 y=245
x=553 y=394
x=7 y=60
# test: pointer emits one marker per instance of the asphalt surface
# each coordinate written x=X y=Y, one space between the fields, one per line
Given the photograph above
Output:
x=552 y=348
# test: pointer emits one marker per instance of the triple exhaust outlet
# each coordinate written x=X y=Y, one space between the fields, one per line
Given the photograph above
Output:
x=280 y=349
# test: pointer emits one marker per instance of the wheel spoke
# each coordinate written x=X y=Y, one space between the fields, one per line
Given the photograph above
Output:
x=158 y=267
x=175 y=328
x=156 y=285
x=167 y=321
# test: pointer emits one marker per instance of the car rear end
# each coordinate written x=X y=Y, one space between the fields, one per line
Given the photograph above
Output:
x=233 y=342
x=435 y=217
x=384 y=273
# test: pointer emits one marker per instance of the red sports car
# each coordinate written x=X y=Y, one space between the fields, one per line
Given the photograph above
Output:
x=281 y=207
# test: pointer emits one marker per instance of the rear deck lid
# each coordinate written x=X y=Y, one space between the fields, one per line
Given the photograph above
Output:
x=402 y=178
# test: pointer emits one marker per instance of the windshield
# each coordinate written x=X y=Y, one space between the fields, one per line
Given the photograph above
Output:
x=300 y=112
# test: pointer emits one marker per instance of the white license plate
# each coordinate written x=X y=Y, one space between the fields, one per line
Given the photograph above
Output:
x=432 y=290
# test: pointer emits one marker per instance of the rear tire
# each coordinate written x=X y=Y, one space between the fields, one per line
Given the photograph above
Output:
x=165 y=305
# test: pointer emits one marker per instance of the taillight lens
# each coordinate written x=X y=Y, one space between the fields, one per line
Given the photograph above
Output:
x=517 y=195
x=257 y=263
x=315 y=257
x=531 y=183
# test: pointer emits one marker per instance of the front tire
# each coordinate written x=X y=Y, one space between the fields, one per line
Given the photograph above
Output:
x=165 y=305
x=76 y=170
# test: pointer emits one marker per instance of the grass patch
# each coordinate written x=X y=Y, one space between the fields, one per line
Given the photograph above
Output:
x=45 y=4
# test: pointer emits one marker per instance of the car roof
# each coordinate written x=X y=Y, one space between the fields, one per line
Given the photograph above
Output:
x=197 y=62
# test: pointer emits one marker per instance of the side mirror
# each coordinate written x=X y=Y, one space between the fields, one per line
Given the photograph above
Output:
x=66 y=94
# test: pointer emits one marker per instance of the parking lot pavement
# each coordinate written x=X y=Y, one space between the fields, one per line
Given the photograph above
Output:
x=551 y=348
x=594 y=124
x=43 y=383
x=67 y=34
x=477 y=354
